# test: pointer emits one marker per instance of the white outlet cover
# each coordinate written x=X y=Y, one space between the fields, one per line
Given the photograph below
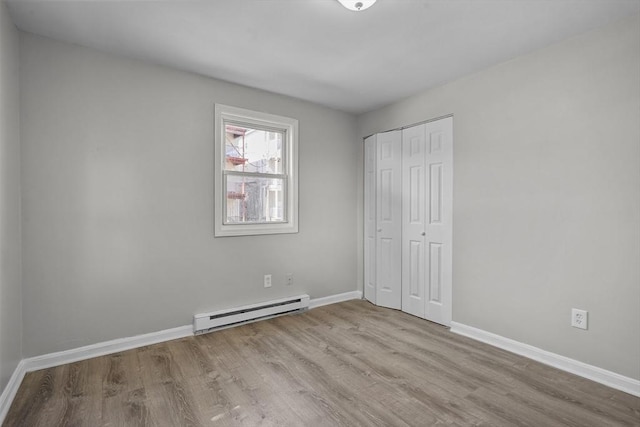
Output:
x=579 y=318
x=267 y=280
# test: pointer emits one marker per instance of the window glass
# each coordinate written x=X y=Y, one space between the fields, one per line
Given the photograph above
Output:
x=252 y=199
x=253 y=150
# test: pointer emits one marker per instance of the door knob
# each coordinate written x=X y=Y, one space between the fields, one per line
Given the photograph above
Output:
x=423 y=233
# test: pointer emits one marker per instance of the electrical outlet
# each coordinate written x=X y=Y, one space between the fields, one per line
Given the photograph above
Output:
x=579 y=318
x=267 y=280
x=289 y=279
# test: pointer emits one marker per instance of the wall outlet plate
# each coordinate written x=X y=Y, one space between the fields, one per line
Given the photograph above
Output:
x=579 y=318
x=289 y=279
x=267 y=280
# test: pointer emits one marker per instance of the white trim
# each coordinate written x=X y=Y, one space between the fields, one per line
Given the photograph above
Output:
x=332 y=299
x=9 y=393
x=104 y=348
x=594 y=373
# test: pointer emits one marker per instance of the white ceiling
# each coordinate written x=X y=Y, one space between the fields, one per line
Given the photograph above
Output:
x=316 y=49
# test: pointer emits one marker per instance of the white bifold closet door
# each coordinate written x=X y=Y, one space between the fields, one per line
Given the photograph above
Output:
x=370 y=218
x=388 y=219
x=383 y=219
x=414 y=220
x=427 y=186
x=408 y=220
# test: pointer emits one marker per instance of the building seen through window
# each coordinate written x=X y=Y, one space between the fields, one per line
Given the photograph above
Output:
x=254 y=183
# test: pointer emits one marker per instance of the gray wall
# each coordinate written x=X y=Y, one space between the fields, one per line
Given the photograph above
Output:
x=118 y=200
x=546 y=201
x=10 y=251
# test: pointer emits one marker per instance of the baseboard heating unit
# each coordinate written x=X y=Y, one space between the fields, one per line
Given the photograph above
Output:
x=208 y=322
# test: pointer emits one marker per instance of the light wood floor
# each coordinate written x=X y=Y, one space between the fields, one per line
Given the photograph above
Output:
x=346 y=364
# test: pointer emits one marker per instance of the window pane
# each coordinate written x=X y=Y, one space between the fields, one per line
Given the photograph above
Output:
x=253 y=150
x=254 y=200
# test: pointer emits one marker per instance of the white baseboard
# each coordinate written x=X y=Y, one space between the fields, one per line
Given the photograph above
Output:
x=82 y=353
x=332 y=299
x=104 y=348
x=114 y=346
x=9 y=392
x=602 y=376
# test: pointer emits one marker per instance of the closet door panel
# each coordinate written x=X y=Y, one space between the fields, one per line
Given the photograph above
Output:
x=370 y=218
x=388 y=219
x=439 y=227
x=414 y=218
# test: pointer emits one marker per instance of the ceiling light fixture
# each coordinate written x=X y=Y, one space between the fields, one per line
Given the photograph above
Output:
x=357 y=5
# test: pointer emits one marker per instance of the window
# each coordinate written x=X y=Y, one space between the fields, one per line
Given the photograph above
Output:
x=256 y=187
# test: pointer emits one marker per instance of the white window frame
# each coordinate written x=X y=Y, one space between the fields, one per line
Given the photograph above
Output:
x=287 y=125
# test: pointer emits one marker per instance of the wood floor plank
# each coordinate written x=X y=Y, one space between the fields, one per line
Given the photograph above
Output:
x=346 y=364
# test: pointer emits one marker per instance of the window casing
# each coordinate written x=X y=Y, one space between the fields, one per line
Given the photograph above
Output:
x=256 y=169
